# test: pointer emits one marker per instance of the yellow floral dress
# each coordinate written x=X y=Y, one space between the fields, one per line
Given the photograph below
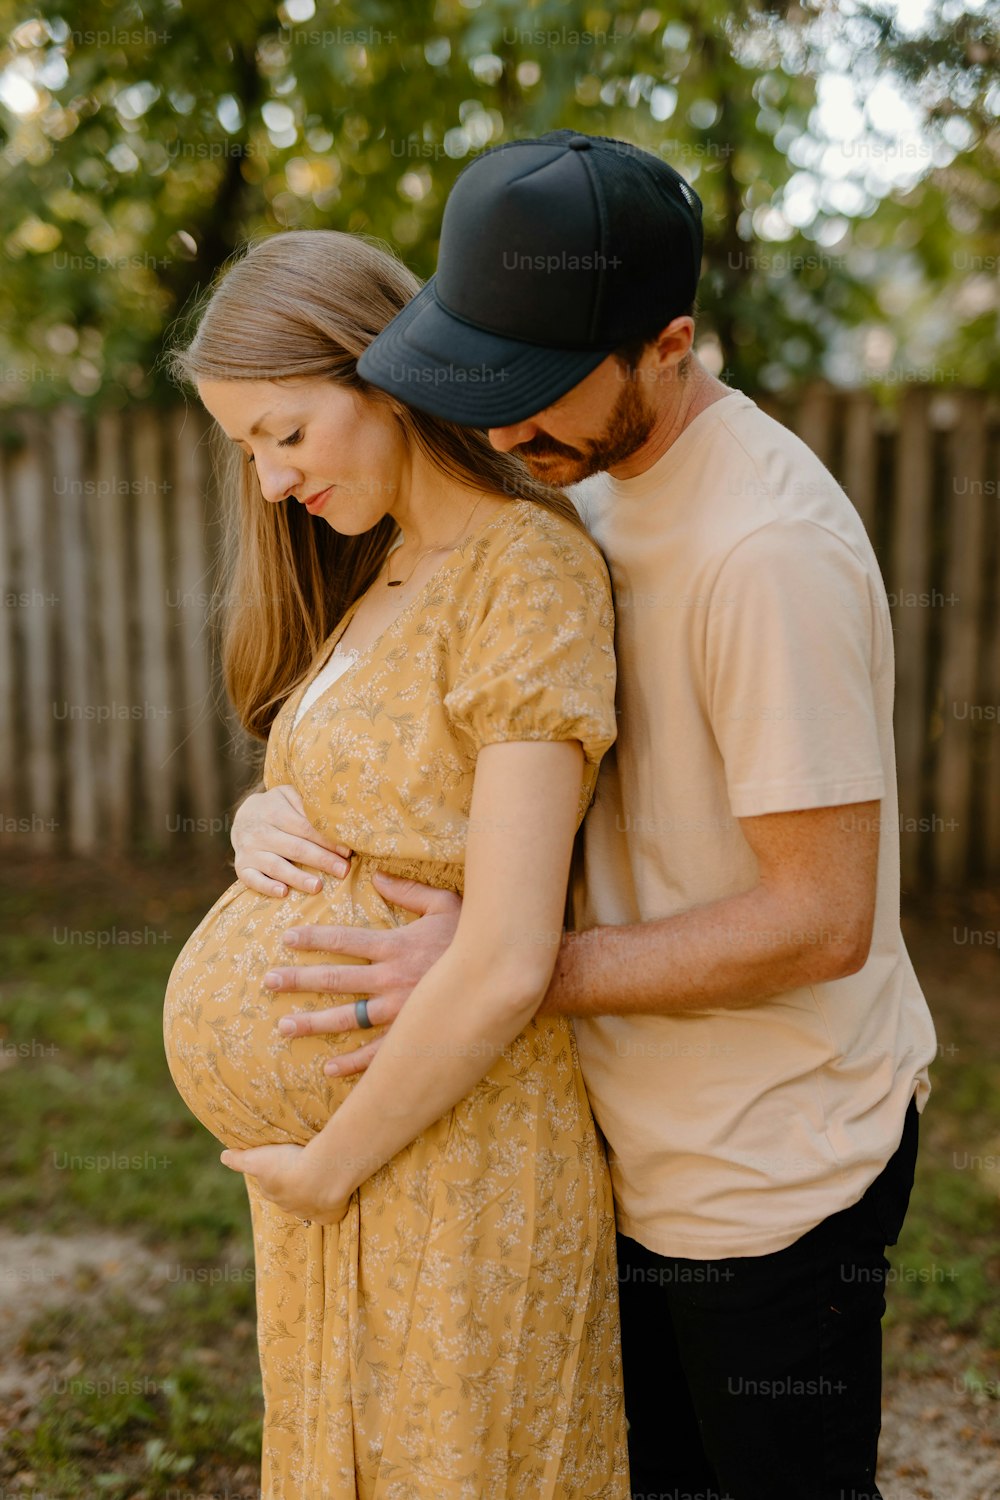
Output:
x=456 y=1336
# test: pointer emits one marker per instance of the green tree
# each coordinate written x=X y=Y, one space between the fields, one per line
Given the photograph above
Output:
x=144 y=141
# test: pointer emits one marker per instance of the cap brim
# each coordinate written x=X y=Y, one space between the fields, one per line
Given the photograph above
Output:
x=428 y=358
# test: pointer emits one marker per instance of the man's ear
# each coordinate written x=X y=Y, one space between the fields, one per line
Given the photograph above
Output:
x=673 y=343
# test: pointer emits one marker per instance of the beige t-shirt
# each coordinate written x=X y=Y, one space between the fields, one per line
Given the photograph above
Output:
x=755 y=672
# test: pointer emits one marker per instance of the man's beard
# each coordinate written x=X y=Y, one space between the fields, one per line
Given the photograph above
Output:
x=629 y=425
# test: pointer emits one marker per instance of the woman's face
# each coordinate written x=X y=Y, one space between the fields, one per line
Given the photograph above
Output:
x=342 y=456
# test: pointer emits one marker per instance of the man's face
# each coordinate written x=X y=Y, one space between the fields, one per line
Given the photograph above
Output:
x=597 y=425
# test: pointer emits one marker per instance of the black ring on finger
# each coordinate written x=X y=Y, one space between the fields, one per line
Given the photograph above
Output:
x=361 y=1014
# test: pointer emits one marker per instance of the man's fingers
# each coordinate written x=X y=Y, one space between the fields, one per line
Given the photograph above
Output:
x=337 y=1018
x=324 y=979
x=319 y=1022
x=411 y=895
x=352 y=1062
x=353 y=942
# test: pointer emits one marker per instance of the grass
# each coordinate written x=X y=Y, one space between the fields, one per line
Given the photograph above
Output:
x=154 y=1394
x=160 y=1396
x=943 y=1305
x=91 y=1081
x=145 y=1404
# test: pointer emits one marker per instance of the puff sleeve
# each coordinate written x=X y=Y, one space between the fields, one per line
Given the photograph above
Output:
x=537 y=660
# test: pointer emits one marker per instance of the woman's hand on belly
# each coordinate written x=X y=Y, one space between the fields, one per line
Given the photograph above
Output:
x=270 y=830
x=286 y=1175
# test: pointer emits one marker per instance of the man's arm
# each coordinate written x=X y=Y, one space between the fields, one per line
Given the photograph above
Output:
x=808 y=919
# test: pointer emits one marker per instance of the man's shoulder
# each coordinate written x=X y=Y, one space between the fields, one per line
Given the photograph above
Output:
x=777 y=464
x=764 y=479
x=733 y=474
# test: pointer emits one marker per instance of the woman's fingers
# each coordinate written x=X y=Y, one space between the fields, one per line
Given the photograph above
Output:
x=287 y=811
x=297 y=839
x=274 y=857
x=279 y=876
x=304 y=849
x=292 y=796
x=256 y=880
x=270 y=831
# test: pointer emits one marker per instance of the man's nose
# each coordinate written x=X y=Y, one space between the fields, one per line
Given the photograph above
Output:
x=506 y=438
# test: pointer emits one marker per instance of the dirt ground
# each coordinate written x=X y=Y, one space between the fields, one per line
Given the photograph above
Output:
x=940 y=1439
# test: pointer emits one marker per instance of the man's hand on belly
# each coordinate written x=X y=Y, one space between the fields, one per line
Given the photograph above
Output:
x=398 y=958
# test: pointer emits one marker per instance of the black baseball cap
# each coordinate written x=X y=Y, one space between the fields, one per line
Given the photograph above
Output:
x=554 y=252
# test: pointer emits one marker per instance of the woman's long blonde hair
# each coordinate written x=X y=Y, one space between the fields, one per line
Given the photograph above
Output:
x=307 y=303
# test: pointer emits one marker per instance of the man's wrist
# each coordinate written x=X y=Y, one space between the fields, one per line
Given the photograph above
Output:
x=564 y=996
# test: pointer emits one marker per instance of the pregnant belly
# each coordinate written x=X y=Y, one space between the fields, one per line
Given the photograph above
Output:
x=245 y=1082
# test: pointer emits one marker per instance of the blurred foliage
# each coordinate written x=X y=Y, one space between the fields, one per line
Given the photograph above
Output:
x=143 y=142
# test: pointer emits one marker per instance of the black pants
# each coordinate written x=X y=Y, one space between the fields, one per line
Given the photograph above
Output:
x=760 y=1377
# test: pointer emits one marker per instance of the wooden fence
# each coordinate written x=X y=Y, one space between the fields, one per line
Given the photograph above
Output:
x=114 y=732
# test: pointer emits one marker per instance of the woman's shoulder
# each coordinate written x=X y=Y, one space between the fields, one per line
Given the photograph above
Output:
x=533 y=541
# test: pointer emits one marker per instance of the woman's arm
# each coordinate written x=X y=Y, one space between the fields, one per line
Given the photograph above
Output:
x=483 y=991
x=472 y=1002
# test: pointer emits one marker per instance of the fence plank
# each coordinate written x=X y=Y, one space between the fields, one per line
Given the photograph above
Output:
x=962 y=593
x=194 y=576
x=31 y=487
x=112 y=593
x=11 y=603
x=861 y=456
x=156 y=716
x=990 y=687
x=910 y=555
x=813 y=421
x=83 y=729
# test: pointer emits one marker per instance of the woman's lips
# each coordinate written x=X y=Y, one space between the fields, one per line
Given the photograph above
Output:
x=315 y=501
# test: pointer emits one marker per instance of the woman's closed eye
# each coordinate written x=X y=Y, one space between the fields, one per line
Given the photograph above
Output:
x=288 y=442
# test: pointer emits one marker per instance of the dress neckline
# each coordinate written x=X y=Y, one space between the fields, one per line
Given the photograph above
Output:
x=361 y=655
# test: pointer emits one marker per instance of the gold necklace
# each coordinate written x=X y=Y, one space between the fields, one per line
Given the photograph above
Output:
x=394 y=583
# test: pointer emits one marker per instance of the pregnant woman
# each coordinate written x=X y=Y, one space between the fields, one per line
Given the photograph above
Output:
x=423 y=636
